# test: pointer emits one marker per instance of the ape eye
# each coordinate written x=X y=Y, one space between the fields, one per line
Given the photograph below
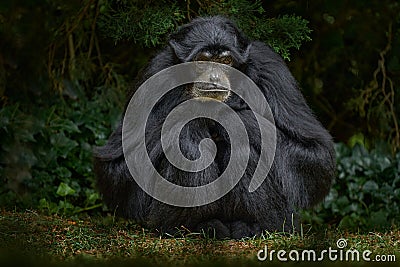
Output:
x=227 y=60
x=204 y=56
x=225 y=54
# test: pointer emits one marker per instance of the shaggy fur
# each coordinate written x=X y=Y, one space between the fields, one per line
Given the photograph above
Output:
x=303 y=167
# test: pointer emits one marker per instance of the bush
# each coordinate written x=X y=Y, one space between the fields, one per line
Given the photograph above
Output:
x=366 y=193
x=46 y=153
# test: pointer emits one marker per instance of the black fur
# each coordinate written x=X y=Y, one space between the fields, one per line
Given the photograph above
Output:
x=303 y=167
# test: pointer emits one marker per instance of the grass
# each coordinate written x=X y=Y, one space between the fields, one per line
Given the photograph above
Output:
x=30 y=237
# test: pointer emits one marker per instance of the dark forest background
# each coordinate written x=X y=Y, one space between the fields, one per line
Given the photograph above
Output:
x=66 y=66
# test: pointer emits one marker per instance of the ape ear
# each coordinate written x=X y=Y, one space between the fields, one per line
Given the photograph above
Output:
x=183 y=52
x=246 y=53
x=176 y=42
x=178 y=49
x=242 y=54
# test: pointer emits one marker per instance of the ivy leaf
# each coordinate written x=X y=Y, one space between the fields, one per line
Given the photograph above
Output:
x=64 y=190
x=65 y=124
x=370 y=186
x=62 y=144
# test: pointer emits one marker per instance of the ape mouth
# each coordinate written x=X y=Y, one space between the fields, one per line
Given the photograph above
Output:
x=209 y=90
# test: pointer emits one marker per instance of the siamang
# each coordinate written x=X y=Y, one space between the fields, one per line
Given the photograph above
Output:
x=302 y=170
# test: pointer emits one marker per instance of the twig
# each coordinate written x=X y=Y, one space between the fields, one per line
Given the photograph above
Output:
x=371 y=93
x=93 y=33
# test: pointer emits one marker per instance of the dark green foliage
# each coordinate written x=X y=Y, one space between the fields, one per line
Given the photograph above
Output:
x=282 y=33
x=46 y=154
x=350 y=72
x=366 y=194
x=149 y=25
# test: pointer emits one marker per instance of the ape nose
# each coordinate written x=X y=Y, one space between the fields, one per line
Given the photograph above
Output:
x=214 y=77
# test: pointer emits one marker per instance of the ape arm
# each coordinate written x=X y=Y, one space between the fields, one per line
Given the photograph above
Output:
x=304 y=160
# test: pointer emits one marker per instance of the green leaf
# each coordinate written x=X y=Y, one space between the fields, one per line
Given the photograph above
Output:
x=370 y=186
x=64 y=125
x=396 y=193
x=64 y=190
x=50 y=207
x=379 y=218
x=62 y=144
x=62 y=172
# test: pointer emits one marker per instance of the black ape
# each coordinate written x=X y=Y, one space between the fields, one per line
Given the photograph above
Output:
x=303 y=167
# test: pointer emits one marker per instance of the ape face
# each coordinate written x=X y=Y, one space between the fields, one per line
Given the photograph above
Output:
x=216 y=83
x=211 y=41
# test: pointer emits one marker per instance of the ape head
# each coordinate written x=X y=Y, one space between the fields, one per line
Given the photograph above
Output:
x=216 y=40
x=210 y=38
x=304 y=162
